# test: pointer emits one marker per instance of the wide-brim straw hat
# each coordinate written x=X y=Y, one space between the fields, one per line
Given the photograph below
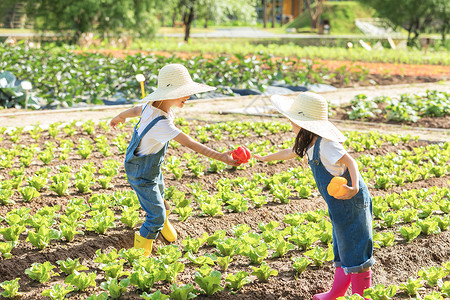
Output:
x=174 y=81
x=309 y=111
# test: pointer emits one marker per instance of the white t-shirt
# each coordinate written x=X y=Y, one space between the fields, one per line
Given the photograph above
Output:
x=330 y=152
x=162 y=132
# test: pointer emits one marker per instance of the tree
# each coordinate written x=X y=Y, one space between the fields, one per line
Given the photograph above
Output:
x=110 y=17
x=413 y=15
x=213 y=10
x=315 y=11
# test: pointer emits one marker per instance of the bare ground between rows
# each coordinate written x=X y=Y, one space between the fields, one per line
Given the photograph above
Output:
x=395 y=264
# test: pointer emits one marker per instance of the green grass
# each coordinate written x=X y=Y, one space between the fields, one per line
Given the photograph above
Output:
x=342 y=16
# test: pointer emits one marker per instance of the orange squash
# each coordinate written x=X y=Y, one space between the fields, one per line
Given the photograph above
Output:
x=335 y=187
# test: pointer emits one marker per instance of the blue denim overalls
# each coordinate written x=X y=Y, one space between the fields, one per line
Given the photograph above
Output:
x=145 y=177
x=351 y=219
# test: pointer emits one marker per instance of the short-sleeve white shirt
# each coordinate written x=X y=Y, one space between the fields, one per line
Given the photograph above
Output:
x=162 y=132
x=330 y=152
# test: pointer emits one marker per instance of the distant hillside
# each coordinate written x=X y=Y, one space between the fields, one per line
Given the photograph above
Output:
x=342 y=15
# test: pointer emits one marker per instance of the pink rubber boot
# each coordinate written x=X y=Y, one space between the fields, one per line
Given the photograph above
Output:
x=360 y=282
x=340 y=285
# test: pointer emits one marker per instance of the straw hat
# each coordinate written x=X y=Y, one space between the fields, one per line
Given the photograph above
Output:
x=175 y=82
x=310 y=111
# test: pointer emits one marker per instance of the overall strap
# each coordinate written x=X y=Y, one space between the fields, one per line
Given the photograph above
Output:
x=316 y=156
x=150 y=125
x=140 y=118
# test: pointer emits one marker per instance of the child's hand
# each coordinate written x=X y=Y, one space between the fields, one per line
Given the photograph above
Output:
x=228 y=159
x=260 y=158
x=116 y=120
x=351 y=191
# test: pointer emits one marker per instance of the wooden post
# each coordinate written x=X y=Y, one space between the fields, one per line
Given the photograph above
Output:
x=265 y=13
x=274 y=8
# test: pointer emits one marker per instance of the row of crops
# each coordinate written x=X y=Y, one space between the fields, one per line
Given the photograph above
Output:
x=409 y=56
x=405 y=108
x=73 y=173
x=63 y=77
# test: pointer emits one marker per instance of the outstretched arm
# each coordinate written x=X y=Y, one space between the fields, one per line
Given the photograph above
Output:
x=122 y=117
x=187 y=141
x=284 y=154
x=353 y=170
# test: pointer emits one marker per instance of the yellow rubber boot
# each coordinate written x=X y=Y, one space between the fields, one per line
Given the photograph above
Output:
x=141 y=242
x=168 y=231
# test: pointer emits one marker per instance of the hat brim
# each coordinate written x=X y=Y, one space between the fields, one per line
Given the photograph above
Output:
x=323 y=128
x=163 y=93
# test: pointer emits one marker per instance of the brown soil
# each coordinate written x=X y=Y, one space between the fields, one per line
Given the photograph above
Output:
x=394 y=264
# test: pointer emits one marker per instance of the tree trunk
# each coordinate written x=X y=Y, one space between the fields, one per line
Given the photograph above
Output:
x=274 y=8
x=174 y=18
x=265 y=13
x=188 y=19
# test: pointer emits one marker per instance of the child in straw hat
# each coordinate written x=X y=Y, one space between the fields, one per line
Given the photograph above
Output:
x=351 y=214
x=148 y=146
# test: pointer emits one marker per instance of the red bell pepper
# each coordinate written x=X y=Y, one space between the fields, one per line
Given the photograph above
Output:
x=242 y=154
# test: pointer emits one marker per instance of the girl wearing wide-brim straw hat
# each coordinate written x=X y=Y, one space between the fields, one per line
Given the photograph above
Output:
x=350 y=214
x=148 y=146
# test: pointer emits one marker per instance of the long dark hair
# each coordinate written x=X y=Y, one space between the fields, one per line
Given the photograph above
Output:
x=302 y=141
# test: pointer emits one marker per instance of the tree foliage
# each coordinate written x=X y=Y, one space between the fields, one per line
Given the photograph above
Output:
x=416 y=16
x=216 y=11
x=110 y=17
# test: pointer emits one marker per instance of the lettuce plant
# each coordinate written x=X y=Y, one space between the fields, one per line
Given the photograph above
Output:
x=38 y=182
x=264 y=272
x=192 y=245
x=69 y=265
x=228 y=247
x=156 y=296
x=57 y=292
x=208 y=280
x=145 y=279
x=429 y=226
x=131 y=254
x=80 y=280
x=130 y=216
x=432 y=275
x=5 y=249
x=411 y=286
x=41 y=272
x=60 y=183
x=380 y=291
x=29 y=193
x=114 y=287
x=281 y=247
x=319 y=255
x=384 y=239
x=410 y=232
x=69 y=230
x=184 y=212
x=106 y=258
x=214 y=208
x=184 y=292
x=11 y=288
x=43 y=236
x=201 y=260
x=12 y=232
x=236 y=281
x=169 y=254
x=172 y=270
x=114 y=269
x=100 y=222
x=300 y=263
x=5 y=196
x=224 y=261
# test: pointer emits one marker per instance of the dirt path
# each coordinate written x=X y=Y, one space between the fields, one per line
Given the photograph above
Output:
x=210 y=109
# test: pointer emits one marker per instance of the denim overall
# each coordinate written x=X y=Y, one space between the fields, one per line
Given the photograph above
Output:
x=145 y=177
x=351 y=219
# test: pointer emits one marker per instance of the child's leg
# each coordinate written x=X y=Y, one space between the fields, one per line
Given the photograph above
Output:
x=168 y=231
x=340 y=285
x=153 y=204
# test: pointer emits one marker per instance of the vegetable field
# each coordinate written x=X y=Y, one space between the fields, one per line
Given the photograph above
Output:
x=259 y=231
